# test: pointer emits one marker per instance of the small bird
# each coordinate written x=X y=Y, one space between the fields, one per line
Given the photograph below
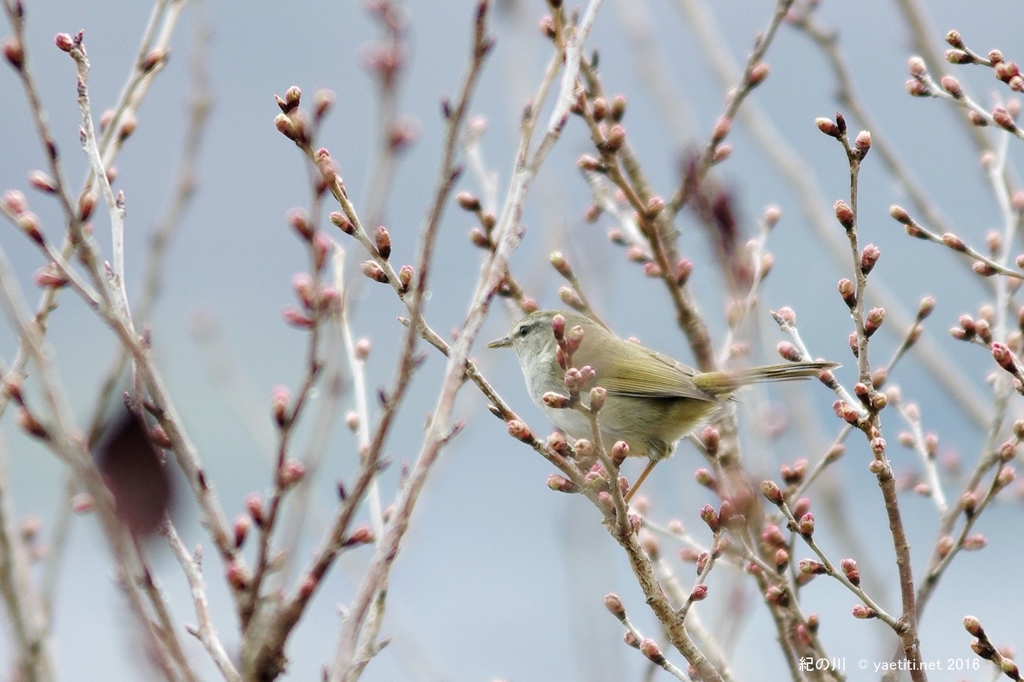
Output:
x=652 y=400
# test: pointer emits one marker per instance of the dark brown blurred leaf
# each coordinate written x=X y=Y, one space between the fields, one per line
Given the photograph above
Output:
x=135 y=473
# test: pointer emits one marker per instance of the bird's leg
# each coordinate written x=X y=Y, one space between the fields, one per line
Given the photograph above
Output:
x=639 y=481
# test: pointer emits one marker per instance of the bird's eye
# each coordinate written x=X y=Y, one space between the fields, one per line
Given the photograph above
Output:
x=523 y=331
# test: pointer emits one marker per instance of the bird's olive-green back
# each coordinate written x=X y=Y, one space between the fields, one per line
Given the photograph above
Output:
x=629 y=369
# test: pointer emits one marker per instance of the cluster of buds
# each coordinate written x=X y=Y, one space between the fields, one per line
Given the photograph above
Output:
x=315 y=299
x=557 y=442
x=969 y=329
x=794 y=475
x=26 y=420
x=1006 y=71
x=597 y=477
x=16 y=206
x=900 y=215
x=847 y=412
x=729 y=516
x=602 y=110
x=836 y=128
x=610 y=135
x=918 y=85
x=66 y=43
x=777 y=595
x=984 y=647
x=371 y=269
x=483 y=236
x=291 y=122
x=386 y=58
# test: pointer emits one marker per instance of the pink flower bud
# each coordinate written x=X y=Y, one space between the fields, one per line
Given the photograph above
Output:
x=974 y=542
x=296 y=317
x=862 y=143
x=30 y=425
x=844 y=214
x=952 y=86
x=650 y=649
x=14 y=53
x=467 y=201
x=291 y=473
x=1003 y=119
x=241 y=525
x=560 y=264
x=721 y=130
x=806 y=524
x=613 y=603
x=373 y=271
x=615 y=139
x=323 y=100
x=254 y=505
x=82 y=503
x=49 y=277
x=556 y=401
x=561 y=484
x=321 y=247
x=772 y=492
x=382 y=239
x=777 y=595
x=42 y=182
x=973 y=626
x=848 y=292
x=341 y=221
x=236 y=576
x=710 y=517
x=757 y=74
x=519 y=430
x=620 y=451
x=827 y=126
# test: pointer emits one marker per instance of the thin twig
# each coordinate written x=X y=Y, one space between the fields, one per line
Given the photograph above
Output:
x=205 y=632
x=32 y=655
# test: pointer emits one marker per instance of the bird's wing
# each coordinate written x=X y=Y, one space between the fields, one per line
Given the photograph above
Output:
x=663 y=378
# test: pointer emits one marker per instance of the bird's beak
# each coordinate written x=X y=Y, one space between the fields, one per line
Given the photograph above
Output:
x=503 y=342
